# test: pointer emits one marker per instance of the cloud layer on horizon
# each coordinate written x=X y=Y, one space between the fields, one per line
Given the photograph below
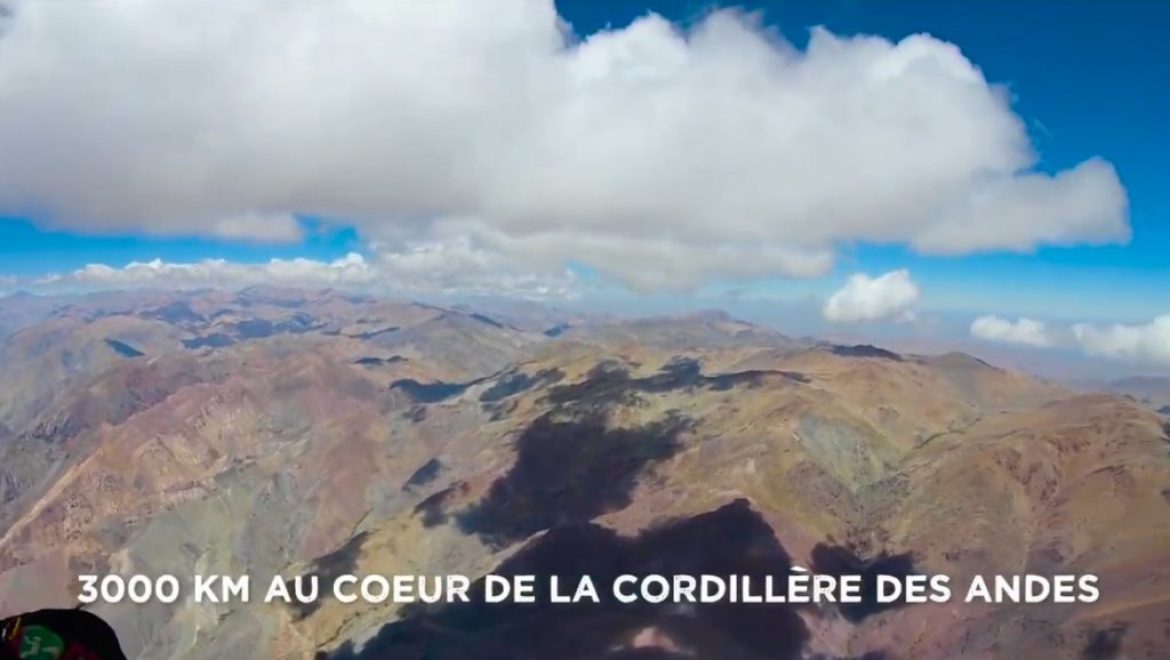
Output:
x=430 y=269
x=1024 y=331
x=460 y=268
x=1143 y=343
x=663 y=158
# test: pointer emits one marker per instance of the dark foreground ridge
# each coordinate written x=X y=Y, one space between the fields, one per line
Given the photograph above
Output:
x=62 y=634
x=733 y=540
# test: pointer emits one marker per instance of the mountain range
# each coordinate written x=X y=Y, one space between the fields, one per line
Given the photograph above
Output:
x=289 y=432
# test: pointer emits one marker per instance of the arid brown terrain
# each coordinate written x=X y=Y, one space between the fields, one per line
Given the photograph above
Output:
x=288 y=432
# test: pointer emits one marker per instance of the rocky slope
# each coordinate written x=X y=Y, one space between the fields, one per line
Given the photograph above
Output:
x=314 y=433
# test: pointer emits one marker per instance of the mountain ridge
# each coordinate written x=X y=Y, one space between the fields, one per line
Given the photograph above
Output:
x=286 y=454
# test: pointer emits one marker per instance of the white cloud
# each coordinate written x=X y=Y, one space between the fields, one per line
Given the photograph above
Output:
x=1147 y=343
x=1143 y=343
x=272 y=227
x=660 y=157
x=1022 y=331
x=456 y=267
x=864 y=298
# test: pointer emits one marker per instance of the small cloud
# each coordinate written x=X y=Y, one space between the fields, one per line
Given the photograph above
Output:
x=1148 y=342
x=864 y=299
x=1028 y=332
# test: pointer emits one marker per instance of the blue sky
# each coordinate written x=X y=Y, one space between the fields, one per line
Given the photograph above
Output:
x=1088 y=79
x=28 y=249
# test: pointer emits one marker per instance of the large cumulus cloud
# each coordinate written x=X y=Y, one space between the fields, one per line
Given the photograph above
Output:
x=659 y=157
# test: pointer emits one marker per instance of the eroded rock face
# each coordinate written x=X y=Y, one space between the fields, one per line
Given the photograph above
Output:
x=336 y=434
